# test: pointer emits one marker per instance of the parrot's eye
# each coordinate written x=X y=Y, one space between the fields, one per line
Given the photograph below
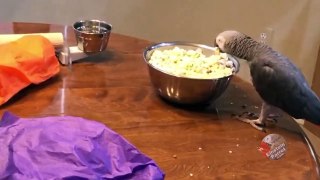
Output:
x=220 y=41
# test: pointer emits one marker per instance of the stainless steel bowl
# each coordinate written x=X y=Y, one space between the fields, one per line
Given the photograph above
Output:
x=183 y=90
x=92 y=35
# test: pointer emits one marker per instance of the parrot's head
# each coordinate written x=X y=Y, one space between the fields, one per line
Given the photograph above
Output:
x=226 y=39
x=234 y=43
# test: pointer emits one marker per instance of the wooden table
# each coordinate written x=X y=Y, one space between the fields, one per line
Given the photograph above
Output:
x=187 y=143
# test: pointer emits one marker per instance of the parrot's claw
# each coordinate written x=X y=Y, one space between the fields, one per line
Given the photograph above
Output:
x=273 y=115
x=272 y=120
x=256 y=123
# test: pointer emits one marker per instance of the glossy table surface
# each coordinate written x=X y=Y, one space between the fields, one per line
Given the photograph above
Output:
x=187 y=143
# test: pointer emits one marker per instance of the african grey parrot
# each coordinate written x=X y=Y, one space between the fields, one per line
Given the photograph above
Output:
x=276 y=79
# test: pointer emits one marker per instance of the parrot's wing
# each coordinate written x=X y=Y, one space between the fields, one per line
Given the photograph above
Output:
x=281 y=84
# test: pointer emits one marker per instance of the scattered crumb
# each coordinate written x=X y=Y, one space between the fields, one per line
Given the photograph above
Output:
x=251 y=114
x=244 y=106
x=200 y=148
x=256 y=107
x=191 y=174
x=237 y=145
x=208 y=167
x=231 y=103
x=230 y=152
x=174 y=156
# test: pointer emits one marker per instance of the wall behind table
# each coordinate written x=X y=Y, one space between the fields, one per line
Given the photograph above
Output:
x=294 y=23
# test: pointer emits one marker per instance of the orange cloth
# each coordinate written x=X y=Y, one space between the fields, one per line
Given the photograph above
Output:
x=28 y=60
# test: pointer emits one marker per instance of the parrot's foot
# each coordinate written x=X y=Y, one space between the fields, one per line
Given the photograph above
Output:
x=273 y=118
x=256 y=123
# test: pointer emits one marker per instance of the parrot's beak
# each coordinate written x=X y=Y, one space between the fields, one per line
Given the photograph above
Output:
x=215 y=43
x=220 y=50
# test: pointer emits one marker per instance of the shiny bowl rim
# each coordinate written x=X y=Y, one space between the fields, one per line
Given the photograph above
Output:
x=92 y=20
x=184 y=43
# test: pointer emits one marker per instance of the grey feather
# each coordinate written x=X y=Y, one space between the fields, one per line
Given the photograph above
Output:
x=277 y=80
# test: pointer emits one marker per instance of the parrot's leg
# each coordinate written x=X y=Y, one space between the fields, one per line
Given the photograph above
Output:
x=264 y=116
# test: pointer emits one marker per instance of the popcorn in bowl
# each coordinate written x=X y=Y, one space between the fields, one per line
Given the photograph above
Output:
x=192 y=63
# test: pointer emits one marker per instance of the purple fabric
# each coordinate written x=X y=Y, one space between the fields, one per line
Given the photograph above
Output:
x=68 y=148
